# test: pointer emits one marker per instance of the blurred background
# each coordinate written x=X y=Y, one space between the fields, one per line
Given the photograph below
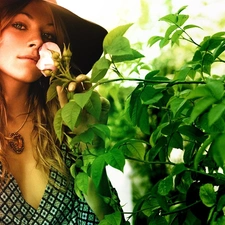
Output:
x=145 y=14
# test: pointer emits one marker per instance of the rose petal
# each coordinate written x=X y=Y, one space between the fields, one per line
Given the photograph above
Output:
x=46 y=62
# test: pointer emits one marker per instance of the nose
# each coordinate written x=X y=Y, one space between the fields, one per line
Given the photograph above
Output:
x=35 y=41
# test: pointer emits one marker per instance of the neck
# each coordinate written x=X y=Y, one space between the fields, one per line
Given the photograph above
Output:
x=16 y=97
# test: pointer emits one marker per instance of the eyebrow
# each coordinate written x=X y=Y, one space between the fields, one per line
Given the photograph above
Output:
x=31 y=17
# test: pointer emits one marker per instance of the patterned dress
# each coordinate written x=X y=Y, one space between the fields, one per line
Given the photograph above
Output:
x=57 y=207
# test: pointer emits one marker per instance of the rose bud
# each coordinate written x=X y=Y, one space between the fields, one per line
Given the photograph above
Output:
x=72 y=86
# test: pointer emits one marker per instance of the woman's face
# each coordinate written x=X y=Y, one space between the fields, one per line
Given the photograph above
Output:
x=20 y=41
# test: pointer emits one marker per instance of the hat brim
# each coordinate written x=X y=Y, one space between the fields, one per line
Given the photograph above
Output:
x=85 y=38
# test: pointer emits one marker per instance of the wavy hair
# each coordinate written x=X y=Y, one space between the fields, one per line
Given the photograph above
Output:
x=47 y=153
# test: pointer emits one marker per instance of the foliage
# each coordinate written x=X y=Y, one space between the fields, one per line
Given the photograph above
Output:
x=190 y=109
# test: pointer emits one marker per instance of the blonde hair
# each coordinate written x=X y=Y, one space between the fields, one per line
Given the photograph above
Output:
x=47 y=153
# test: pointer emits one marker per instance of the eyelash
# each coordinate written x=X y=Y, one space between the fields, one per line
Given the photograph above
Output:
x=49 y=37
x=45 y=36
x=19 y=25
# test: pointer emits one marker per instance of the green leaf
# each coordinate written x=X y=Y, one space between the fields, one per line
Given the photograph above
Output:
x=143 y=119
x=85 y=137
x=220 y=49
x=115 y=158
x=70 y=114
x=191 y=26
x=81 y=181
x=217 y=150
x=165 y=186
x=154 y=39
x=52 y=93
x=221 y=203
x=149 y=205
x=99 y=69
x=207 y=195
x=164 y=42
x=207 y=59
x=182 y=9
x=112 y=219
x=200 y=91
x=150 y=95
x=151 y=74
x=120 y=46
x=82 y=98
x=178 y=168
x=101 y=130
x=182 y=19
x=171 y=18
x=170 y=30
x=135 y=104
x=175 y=37
x=134 y=149
x=197 y=56
x=183 y=73
x=58 y=125
x=156 y=219
x=176 y=141
x=216 y=113
x=94 y=105
x=97 y=169
x=128 y=57
x=117 y=32
x=201 y=106
x=216 y=87
x=192 y=132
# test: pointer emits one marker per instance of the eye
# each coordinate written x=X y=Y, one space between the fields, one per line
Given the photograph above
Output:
x=19 y=26
x=49 y=37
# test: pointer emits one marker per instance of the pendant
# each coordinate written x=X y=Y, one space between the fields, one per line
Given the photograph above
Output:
x=16 y=142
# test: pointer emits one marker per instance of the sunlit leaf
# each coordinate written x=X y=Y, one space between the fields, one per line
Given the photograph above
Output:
x=81 y=181
x=171 y=18
x=175 y=37
x=97 y=168
x=100 y=69
x=120 y=46
x=58 y=124
x=101 y=130
x=216 y=87
x=94 y=104
x=182 y=19
x=189 y=26
x=52 y=93
x=170 y=30
x=182 y=9
x=70 y=114
x=215 y=113
x=127 y=57
x=134 y=149
x=154 y=39
x=115 y=158
x=113 y=34
x=82 y=98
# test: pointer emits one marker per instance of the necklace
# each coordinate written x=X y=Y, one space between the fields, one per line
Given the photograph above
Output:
x=16 y=140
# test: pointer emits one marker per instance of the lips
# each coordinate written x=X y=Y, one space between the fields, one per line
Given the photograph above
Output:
x=29 y=57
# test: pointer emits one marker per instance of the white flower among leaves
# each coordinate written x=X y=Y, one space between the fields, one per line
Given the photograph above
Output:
x=48 y=52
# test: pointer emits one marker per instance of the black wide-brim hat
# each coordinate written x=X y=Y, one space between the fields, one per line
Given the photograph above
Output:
x=85 y=37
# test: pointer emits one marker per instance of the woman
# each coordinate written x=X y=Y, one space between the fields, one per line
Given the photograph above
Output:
x=35 y=183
